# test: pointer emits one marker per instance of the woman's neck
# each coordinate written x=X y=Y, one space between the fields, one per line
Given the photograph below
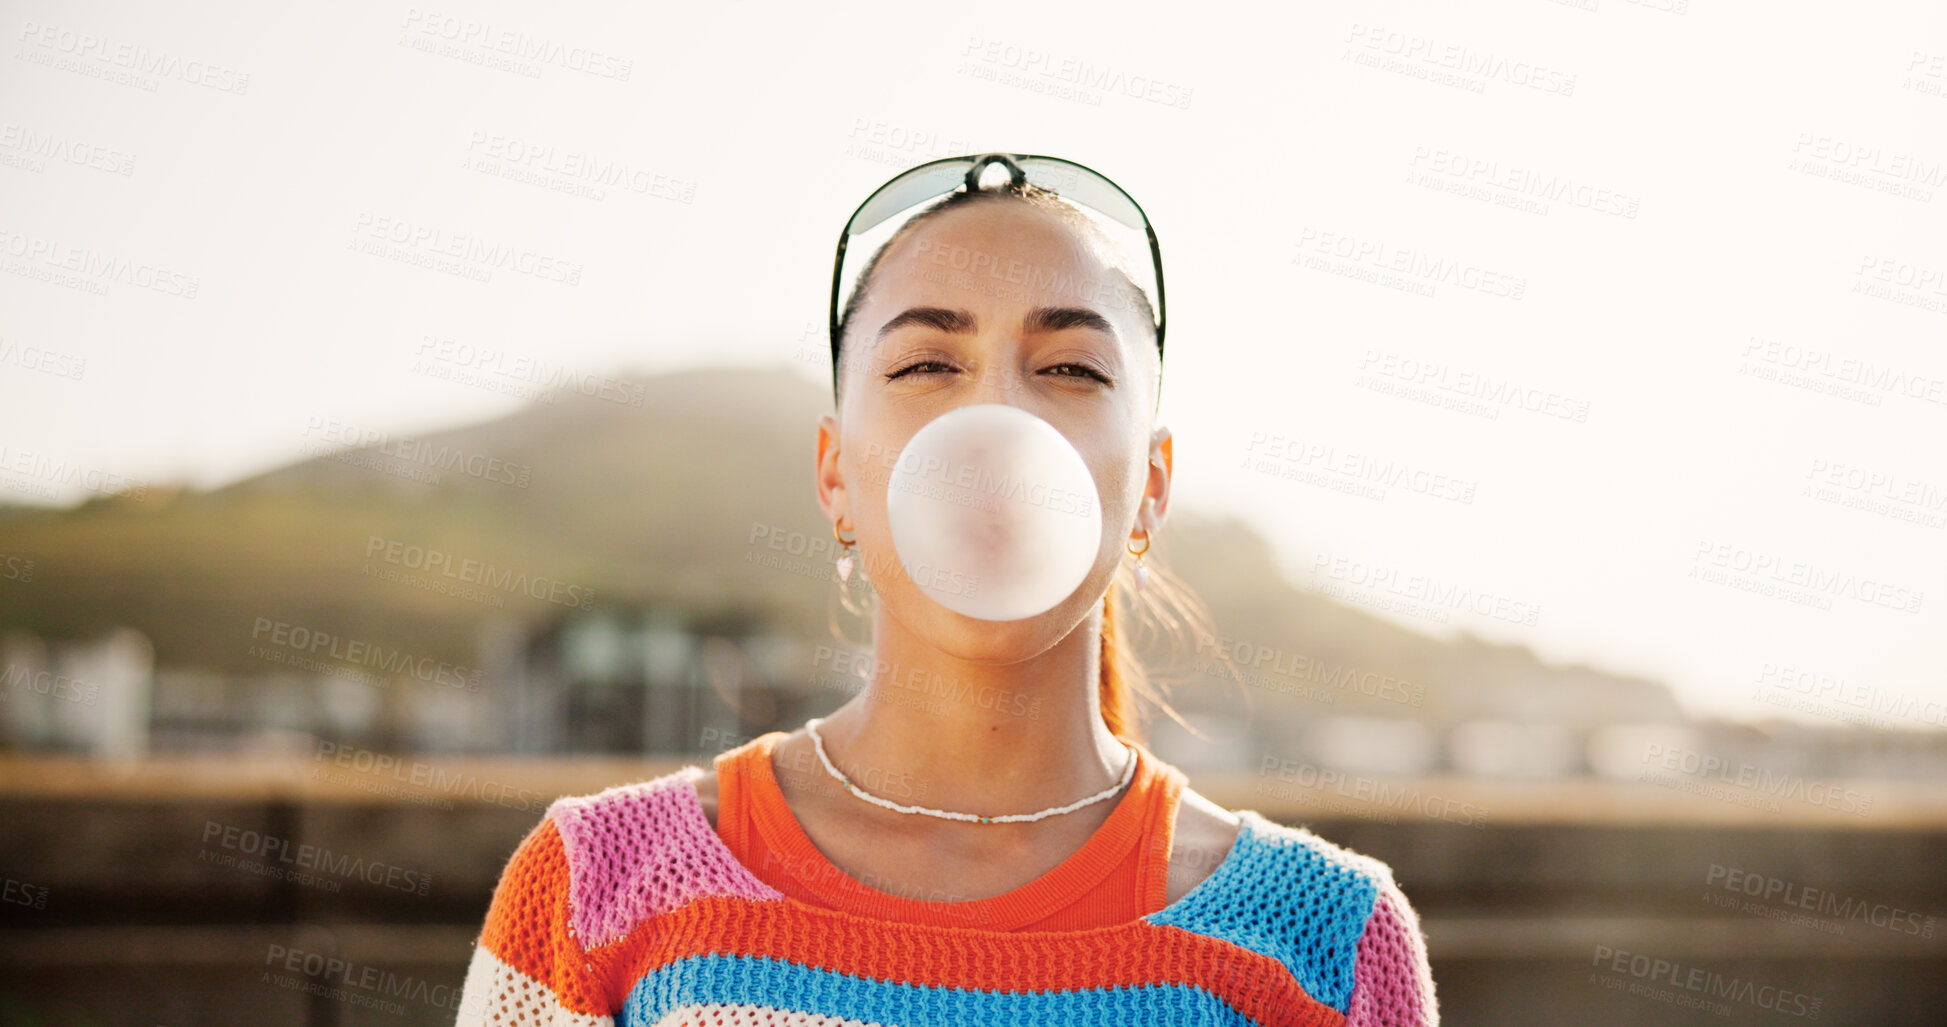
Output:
x=933 y=730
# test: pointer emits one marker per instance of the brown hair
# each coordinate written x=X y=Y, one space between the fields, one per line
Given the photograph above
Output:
x=1168 y=608
x=1166 y=605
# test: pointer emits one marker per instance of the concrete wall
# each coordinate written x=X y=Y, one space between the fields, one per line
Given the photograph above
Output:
x=133 y=909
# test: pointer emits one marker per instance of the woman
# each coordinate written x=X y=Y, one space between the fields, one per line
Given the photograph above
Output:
x=854 y=869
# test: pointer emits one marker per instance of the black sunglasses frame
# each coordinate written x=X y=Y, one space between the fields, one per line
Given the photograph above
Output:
x=1019 y=166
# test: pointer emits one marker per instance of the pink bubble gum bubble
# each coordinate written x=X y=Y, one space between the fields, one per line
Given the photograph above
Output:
x=993 y=512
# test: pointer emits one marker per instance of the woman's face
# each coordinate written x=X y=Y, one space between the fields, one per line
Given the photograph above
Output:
x=995 y=302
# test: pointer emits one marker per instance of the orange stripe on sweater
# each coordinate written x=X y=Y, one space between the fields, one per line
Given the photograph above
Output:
x=1132 y=954
x=527 y=923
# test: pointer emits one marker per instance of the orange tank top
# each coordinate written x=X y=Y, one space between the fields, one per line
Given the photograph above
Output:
x=1118 y=875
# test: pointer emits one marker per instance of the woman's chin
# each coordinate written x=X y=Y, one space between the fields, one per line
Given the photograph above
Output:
x=999 y=642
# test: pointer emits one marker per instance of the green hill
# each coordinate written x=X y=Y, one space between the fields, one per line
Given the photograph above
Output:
x=633 y=505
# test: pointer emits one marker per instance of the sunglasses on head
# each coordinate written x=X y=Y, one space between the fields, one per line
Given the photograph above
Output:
x=1084 y=187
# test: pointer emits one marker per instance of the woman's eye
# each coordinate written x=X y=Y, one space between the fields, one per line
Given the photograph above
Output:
x=1086 y=370
x=921 y=367
x=910 y=367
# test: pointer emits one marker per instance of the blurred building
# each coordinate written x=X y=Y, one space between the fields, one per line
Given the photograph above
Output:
x=90 y=695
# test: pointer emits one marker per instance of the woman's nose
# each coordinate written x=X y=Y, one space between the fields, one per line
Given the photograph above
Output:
x=998 y=383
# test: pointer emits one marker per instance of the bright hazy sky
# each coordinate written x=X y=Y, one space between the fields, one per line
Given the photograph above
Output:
x=1647 y=299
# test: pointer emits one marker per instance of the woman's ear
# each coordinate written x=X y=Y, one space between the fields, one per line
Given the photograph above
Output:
x=829 y=476
x=1156 y=489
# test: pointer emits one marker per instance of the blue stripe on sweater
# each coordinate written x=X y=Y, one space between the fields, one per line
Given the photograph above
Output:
x=1290 y=895
x=766 y=982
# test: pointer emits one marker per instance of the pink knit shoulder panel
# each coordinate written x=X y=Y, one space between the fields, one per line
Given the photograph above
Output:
x=638 y=850
x=1391 y=983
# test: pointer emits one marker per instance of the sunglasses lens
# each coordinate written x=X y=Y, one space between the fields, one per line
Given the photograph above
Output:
x=1076 y=183
x=907 y=191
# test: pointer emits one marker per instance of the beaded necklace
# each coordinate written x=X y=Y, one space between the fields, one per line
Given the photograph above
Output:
x=1128 y=771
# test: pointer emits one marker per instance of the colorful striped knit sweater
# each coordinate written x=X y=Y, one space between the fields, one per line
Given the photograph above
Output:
x=626 y=908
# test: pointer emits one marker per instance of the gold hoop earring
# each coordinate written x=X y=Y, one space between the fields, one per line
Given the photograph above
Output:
x=844 y=562
x=851 y=594
x=1142 y=571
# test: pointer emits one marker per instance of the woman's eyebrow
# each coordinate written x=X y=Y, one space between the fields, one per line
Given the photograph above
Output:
x=1040 y=319
x=1055 y=319
x=951 y=321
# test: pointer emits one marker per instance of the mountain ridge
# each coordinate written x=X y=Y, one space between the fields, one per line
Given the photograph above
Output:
x=663 y=503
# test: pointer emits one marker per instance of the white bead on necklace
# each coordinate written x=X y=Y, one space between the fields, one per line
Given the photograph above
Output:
x=1128 y=771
